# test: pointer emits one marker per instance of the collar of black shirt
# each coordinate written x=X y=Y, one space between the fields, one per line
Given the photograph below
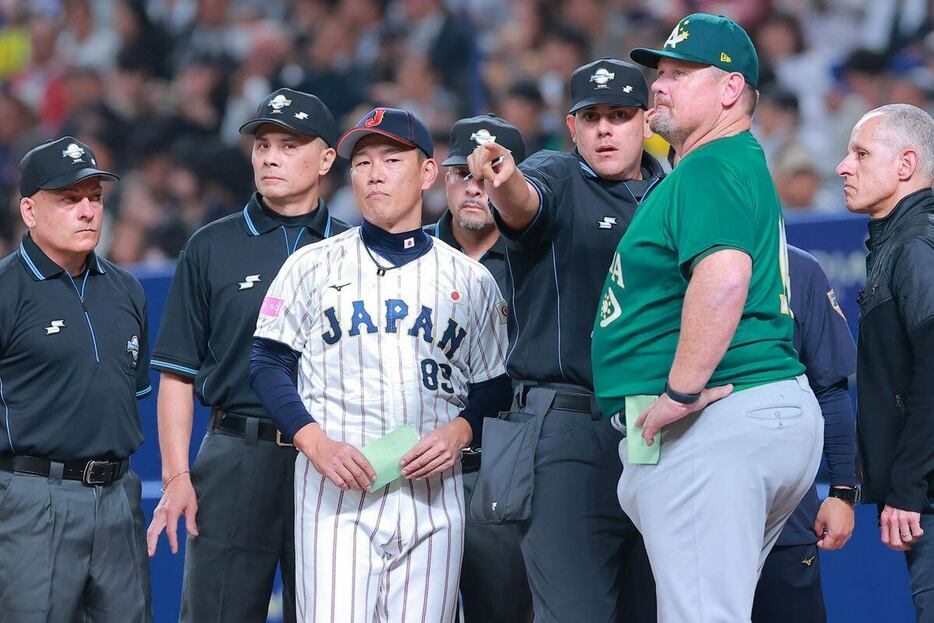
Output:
x=40 y=267
x=260 y=219
x=444 y=231
x=651 y=173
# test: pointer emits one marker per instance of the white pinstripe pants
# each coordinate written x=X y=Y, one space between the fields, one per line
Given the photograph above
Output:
x=393 y=556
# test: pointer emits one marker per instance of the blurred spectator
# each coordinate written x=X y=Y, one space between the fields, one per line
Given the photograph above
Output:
x=799 y=184
x=523 y=106
x=777 y=120
x=160 y=87
x=84 y=39
x=605 y=31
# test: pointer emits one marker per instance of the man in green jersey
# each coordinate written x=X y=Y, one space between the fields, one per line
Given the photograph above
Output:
x=695 y=310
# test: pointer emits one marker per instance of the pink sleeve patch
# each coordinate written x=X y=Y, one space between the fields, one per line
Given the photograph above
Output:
x=271 y=306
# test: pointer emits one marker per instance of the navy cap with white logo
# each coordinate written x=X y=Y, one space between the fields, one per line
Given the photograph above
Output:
x=300 y=112
x=58 y=164
x=395 y=123
x=468 y=134
x=608 y=81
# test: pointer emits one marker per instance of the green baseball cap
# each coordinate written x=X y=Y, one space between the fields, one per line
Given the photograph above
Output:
x=710 y=40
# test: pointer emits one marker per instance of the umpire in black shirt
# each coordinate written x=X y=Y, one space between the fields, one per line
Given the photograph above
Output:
x=237 y=498
x=563 y=215
x=73 y=361
x=494 y=586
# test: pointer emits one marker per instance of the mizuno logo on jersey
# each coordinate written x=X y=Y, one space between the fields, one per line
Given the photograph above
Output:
x=606 y=222
x=396 y=311
x=340 y=286
x=55 y=327
x=248 y=282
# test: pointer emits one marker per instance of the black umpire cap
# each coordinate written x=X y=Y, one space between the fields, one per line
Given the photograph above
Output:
x=58 y=164
x=395 y=123
x=608 y=81
x=468 y=134
x=296 y=111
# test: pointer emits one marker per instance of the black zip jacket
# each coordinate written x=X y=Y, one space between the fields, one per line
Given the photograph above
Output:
x=895 y=363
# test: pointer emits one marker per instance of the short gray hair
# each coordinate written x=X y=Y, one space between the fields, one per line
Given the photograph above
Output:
x=749 y=98
x=908 y=127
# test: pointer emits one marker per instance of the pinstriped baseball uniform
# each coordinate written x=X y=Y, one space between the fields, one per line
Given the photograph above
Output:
x=379 y=352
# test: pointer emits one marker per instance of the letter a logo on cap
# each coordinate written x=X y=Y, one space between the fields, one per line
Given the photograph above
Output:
x=677 y=35
x=376 y=119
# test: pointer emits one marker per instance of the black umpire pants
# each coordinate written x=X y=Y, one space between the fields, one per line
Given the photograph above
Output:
x=585 y=559
x=246 y=526
x=72 y=553
x=494 y=586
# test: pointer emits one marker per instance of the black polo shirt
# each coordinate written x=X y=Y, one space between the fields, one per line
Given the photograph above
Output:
x=494 y=259
x=220 y=280
x=73 y=358
x=556 y=266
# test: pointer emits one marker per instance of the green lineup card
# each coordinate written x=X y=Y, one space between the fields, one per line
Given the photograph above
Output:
x=640 y=453
x=385 y=453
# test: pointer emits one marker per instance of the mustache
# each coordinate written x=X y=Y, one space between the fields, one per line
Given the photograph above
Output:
x=479 y=204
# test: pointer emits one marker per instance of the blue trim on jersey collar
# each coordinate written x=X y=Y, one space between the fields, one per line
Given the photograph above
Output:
x=29 y=263
x=586 y=169
x=249 y=222
x=259 y=219
x=42 y=267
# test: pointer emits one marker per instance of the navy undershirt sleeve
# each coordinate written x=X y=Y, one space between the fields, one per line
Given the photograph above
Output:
x=827 y=350
x=839 y=432
x=484 y=400
x=273 y=367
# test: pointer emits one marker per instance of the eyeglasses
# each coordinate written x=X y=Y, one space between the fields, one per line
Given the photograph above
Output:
x=459 y=175
x=463 y=174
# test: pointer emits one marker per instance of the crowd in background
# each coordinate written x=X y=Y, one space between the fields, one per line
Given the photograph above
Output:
x=159 y=88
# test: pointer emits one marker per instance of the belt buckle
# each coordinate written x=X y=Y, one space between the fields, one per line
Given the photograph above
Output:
x=88 y=476
x=280 y=443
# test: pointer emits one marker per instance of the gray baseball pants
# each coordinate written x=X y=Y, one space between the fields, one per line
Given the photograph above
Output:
x=727 y=480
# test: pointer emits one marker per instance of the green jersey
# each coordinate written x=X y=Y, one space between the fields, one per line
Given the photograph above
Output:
x=720 y=196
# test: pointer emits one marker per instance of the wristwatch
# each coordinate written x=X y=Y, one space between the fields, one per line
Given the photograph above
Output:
x=848 y=495
x=680 y=397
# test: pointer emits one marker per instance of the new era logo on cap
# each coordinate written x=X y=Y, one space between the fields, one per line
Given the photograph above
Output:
x=58 y=164
x=608 y=81
x=397 y=124
x=302 y=113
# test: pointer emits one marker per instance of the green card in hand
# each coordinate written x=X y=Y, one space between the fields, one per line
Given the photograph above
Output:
x=640 y=453
x=385 y=453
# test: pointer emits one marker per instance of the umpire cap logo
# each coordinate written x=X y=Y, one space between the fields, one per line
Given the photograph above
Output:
x=482 y=137
x=602 y=77
x=73 y=151
x=278 y=103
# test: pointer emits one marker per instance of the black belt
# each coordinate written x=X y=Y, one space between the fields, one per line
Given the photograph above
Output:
x=88 y=471
x=236 y=425
x=579 y=400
